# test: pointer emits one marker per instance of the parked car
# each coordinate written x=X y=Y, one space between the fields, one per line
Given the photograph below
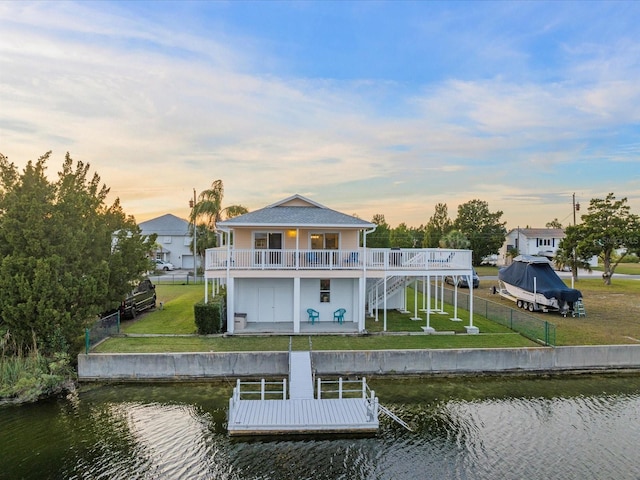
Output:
x=143 y=297
x=162 y=265
x=462 y=280
x=490 y=260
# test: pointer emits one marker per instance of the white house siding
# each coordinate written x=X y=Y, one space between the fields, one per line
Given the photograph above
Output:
x=264 y=300
x=344 y=294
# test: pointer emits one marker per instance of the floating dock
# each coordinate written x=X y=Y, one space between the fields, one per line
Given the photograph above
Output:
x=268 y=408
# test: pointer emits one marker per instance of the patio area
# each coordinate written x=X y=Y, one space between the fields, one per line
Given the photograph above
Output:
x=306 y=328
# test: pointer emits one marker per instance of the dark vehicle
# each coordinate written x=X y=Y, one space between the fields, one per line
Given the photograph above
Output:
x=141 y=298
x=462 y=280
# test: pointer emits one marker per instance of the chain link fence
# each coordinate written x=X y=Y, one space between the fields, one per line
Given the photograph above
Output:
x=525 y=324
x=177 y=278
x=102 y=328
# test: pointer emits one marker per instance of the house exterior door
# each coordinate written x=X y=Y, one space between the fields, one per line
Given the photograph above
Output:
x=275 y=304
x=268 y=247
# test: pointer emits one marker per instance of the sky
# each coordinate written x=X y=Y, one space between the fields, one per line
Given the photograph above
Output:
x=366 y=107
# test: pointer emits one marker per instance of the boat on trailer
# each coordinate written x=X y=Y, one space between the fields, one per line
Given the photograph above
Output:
x=531 y=282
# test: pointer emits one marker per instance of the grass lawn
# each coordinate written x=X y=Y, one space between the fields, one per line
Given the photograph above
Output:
x=623 y=268
x=613 y=312
x=320 y=342
x=176 y=315
x=613 y=317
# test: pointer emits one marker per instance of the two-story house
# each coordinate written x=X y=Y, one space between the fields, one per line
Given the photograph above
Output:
x=174 y=239
x=294 y=255
x=531 y=241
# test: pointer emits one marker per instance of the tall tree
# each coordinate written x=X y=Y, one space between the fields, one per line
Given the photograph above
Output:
x=608 y=227
x=568 y=254
x=402 y=237
x=381 y=237
x=555 y=223
x=455 y=239
x=483 y=229
x=57 y=253
x=438 y=226
x=207 y=212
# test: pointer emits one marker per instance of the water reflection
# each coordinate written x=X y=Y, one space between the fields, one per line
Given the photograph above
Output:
x=485 y=428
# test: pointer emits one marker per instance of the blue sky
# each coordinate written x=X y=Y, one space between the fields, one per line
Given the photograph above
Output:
x=367 y=107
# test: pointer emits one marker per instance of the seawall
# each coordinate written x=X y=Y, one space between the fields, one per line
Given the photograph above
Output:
x=215 y=365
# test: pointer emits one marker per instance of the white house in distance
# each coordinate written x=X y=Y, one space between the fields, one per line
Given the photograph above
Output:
x=531 y=241
x=294 y=255
x=174 y=239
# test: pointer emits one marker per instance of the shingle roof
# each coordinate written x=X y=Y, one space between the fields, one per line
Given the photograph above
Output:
x=167 y=225
x=310 y=215
x=540 y=232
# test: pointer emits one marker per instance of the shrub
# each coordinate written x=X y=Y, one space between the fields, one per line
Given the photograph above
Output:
x=210 y=317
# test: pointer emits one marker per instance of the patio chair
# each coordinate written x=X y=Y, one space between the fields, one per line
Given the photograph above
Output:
x=338 y=315
x=313 y=315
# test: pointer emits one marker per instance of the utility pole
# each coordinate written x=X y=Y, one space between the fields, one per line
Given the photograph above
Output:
x=574 y=267
x=192 y=204
x=195 y=249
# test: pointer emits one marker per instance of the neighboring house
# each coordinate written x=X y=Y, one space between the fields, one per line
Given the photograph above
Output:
x=534 y=241
x=174 y=239
x=531 y=241
x=279 y=261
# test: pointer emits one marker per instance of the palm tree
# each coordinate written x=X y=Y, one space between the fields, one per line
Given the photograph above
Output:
x=207 y=212
x=455 y=239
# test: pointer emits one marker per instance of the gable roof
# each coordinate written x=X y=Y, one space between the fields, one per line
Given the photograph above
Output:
x=295 y=211
x=539 y=232
x=166 y=225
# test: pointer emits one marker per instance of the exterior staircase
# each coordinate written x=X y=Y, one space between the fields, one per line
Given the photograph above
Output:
x=376 y=293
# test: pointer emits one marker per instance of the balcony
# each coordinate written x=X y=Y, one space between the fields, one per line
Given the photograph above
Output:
x=384 y=259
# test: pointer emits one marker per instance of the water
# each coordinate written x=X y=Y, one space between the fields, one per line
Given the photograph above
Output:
x=585 y=427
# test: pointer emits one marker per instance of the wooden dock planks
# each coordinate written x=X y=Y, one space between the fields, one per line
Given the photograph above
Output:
x=261 y=417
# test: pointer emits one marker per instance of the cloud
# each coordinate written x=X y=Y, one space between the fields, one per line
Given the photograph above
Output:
x=158 y=110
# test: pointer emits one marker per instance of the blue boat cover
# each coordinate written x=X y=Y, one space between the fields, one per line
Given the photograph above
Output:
x=526 y=267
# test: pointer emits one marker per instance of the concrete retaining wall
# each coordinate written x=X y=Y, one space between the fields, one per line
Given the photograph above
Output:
x=190 y=366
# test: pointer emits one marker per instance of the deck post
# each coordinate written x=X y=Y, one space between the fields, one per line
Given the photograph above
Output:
x=284 y=388
x=262 y=389
x=364 y=388
x=340 y=388
x=319 y=388
x=372 y=406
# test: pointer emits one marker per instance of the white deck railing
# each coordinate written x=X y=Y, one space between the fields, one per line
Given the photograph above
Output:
x=374 y=259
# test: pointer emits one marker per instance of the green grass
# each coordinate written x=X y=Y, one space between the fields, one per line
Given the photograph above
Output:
x=176 y=318
x=320 y=342
x=613 y=314
x=176 y=315
x=623 y=268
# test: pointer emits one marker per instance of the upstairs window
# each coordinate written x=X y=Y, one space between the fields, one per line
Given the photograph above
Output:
x=325 y=241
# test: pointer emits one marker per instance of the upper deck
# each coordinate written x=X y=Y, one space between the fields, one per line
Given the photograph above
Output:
x=374 y=259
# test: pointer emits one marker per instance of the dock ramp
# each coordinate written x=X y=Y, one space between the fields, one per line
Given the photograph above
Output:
x=337 y=406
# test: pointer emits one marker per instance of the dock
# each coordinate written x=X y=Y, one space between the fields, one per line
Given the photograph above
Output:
x=270 y=408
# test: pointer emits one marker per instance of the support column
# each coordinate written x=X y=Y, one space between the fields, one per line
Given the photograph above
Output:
x=455 y=302
x=230 y=304
x=471 y=330
x=296 y=304
x=384 y=314
x=415 y=301
x=361 y=303
x=428 y=328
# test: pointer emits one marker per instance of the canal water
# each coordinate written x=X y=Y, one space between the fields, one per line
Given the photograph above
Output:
x=575 y=427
